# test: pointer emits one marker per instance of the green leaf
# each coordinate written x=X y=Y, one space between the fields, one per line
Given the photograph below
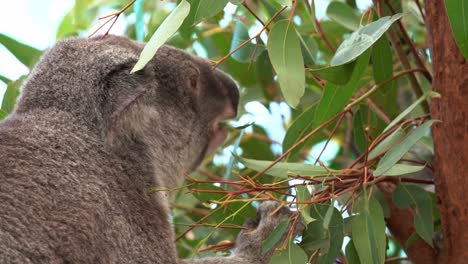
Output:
x=368 y=231
x=4 y=79
x=344 y=15
x=236 y=2
x=393 y=139
x=336 y=97
x=275 y=236
x=24 y=53
x=402 y=169
x=382 y=63
x=245 y=53
x=457 y=11
x=362 y=39
x=203 y=9
x=9 y=98
x=411 y=196
x=284 y=50
x=80 y=13
x=324 y=235
x=365 y=118
x=309 y=49
x=293 y=255
x=340 y=74
x=396 y=153
x=281 y=169
x=302 y=194
x=410 y=108
x=284 y=2
x=351 y=254
x=162 y=34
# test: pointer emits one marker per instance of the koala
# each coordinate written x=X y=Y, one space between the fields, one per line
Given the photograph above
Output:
x=88 y=140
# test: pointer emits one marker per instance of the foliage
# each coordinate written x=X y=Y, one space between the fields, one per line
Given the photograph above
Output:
x=358 y=77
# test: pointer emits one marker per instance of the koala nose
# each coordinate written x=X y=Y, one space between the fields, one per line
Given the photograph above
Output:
x=232 y=89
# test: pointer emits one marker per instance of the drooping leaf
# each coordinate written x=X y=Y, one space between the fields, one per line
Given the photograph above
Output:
x=343 y=14
x=336 y=97
x=4 y=79
x=281 y=169
x=397 y=152
x=382 y=65
x=365 y=124
x=411 y=196
x=362 y=39
x=293 y=255
x=340 y=74
x=410 y=108
x=325 y=234
x=9 y=98
x=368 y=231
x=457 y=12
x=402 y=169
x=80 y=16
x=24 y=53
x=275 y=236
x=390 y=141
x=351 y=254
x=302 y=194
x=309 y=49
x=203 y=9
x=162 y=34
x=284 y=2
x=284 y=50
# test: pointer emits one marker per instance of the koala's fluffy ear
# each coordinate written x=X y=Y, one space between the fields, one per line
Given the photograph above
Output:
x=121 y=92
x=193 y=74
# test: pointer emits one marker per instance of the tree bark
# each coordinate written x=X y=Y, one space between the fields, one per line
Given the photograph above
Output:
x=450 y=72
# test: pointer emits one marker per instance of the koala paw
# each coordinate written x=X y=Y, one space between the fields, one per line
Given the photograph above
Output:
x=249 y=243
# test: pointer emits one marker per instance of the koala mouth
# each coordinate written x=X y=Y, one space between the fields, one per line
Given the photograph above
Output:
x=218 y=130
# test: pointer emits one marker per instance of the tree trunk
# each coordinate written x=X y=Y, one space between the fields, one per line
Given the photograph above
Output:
x=450 y=72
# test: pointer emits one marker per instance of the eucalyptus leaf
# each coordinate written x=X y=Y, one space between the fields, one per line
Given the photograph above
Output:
x=397 y=152
x=293 y=255
x=368 y=231
x=394 y=138
x=162 y=34
x=303 y=194
x=340 y=74
x=351 y=254
x=336 y=97
x=362 y=39
x=285 y=54
x=282 y=169
x=411 y=196
x=324 y=237
x=275 y=236
x=457 y=11
x=343 y=14
x=203 y=9
x=402 y=169
x=24 y=53
x=410 y=108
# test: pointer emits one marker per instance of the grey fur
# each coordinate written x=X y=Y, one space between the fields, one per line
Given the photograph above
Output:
x=88 y=140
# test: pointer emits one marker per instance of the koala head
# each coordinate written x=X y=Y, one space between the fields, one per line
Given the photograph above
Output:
x=173 y=106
